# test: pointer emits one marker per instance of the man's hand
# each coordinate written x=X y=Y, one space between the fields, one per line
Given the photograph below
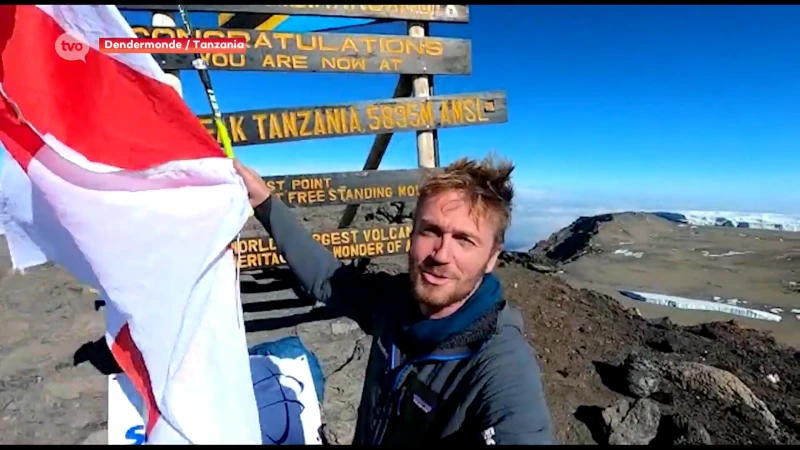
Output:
x=257 y=190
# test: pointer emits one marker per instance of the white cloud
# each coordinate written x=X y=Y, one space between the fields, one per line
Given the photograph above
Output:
x=538 y=213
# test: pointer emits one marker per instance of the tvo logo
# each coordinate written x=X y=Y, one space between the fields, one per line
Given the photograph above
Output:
x=71 y=49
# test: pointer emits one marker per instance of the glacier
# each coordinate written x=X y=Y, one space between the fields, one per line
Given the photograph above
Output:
x=764 y=221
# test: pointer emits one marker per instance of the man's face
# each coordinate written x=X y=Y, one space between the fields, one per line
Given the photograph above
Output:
x=450 y=250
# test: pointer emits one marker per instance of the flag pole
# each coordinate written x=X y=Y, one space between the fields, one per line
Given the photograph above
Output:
x=202 y=70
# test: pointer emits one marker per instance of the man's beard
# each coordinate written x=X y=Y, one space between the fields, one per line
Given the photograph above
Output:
x=440 y=297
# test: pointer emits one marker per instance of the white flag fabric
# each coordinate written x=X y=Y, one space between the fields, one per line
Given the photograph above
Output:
x=113 y=177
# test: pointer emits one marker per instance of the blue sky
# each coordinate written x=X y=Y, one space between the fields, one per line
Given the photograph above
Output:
x=610 y=107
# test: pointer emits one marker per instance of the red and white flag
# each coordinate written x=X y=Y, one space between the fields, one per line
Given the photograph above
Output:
x=113 y=177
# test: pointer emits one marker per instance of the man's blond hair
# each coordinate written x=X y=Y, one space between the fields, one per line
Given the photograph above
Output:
x=487 y=185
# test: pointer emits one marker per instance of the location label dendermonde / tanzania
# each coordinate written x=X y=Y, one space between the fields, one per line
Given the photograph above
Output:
x=174 y=45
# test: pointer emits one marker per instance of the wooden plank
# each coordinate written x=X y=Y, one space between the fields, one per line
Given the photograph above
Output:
x=346 y=188
x=378 y=149
x=269 y=126
x=274 y=51
x=261 y=252
x=419 y=13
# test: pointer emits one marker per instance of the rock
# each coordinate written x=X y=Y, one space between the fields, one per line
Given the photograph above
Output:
x=677 y=429
x=393 y=212
x=695 y=435
x=99 y=437
x=343 y=327
x=632 y=425
x=643 y=376
x=328 y=436
x=536 y=263
x=664 y=344
x=541 y=268
x=720 y=384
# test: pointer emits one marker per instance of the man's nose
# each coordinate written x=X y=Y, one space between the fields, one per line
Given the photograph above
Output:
x=443 y=251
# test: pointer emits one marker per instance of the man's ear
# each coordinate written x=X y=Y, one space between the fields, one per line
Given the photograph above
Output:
x=493 y=258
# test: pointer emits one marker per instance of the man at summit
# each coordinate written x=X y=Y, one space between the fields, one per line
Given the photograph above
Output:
x=449 y=361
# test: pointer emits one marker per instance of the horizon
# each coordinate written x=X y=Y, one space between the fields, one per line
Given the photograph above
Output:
x=668 y=108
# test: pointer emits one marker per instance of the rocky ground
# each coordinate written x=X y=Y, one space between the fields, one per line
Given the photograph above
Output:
x=755 y=269
x=610 y=375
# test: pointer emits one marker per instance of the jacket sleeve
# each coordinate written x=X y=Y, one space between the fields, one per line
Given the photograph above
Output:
x=343 y=288
x=510 y=407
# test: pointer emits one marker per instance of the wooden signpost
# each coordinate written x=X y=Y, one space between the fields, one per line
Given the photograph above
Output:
x=347 y=188
x=415 y=57
x=274 y=125
x=323 y=52
x=351 y=243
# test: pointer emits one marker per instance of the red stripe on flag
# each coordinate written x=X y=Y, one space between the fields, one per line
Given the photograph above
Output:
x=130 y=360
x=103 y=109
x=19 y=139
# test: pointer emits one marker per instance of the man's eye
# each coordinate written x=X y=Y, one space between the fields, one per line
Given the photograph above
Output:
x=465 y=241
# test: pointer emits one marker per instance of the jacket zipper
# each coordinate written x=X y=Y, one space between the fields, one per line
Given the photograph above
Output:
x=379 y=433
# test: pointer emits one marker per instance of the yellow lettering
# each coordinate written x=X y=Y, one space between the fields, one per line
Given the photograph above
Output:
x=344 y=63
x=396 y=63
x=275 y=130
x=290 y=124
x=373 y=121
x=358 y=250
x=323 y=47
x=257 y=253
x=458 y=110
x=391 y=116
x=387 y=118
x=334 y=120
x=284 y=38
x=210 y=126
x=260 y=118
x=349 y=45
x=394 y=46
x=276 y=185
x=311 y=183
x=345 y=244
x=345 y=194
x=355 y=121
x=444 y=116
x=262 y=41
x=300 y=62
x=281 y=61
x=310 y=46
x=219 y=60
x=408 y=191
x=284 y=61
x=305 y=116
x=237 y=131
x=426 y=113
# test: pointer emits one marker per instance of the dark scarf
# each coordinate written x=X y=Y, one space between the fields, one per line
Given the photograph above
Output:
x=425 y=333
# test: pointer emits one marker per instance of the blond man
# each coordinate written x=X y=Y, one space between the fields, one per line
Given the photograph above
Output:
x=449 y=361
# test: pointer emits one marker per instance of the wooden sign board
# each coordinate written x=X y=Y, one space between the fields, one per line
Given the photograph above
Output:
x=347 y=188
x=261 y=252
x=323 y=52
x=269 y=126
x=418 y=13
